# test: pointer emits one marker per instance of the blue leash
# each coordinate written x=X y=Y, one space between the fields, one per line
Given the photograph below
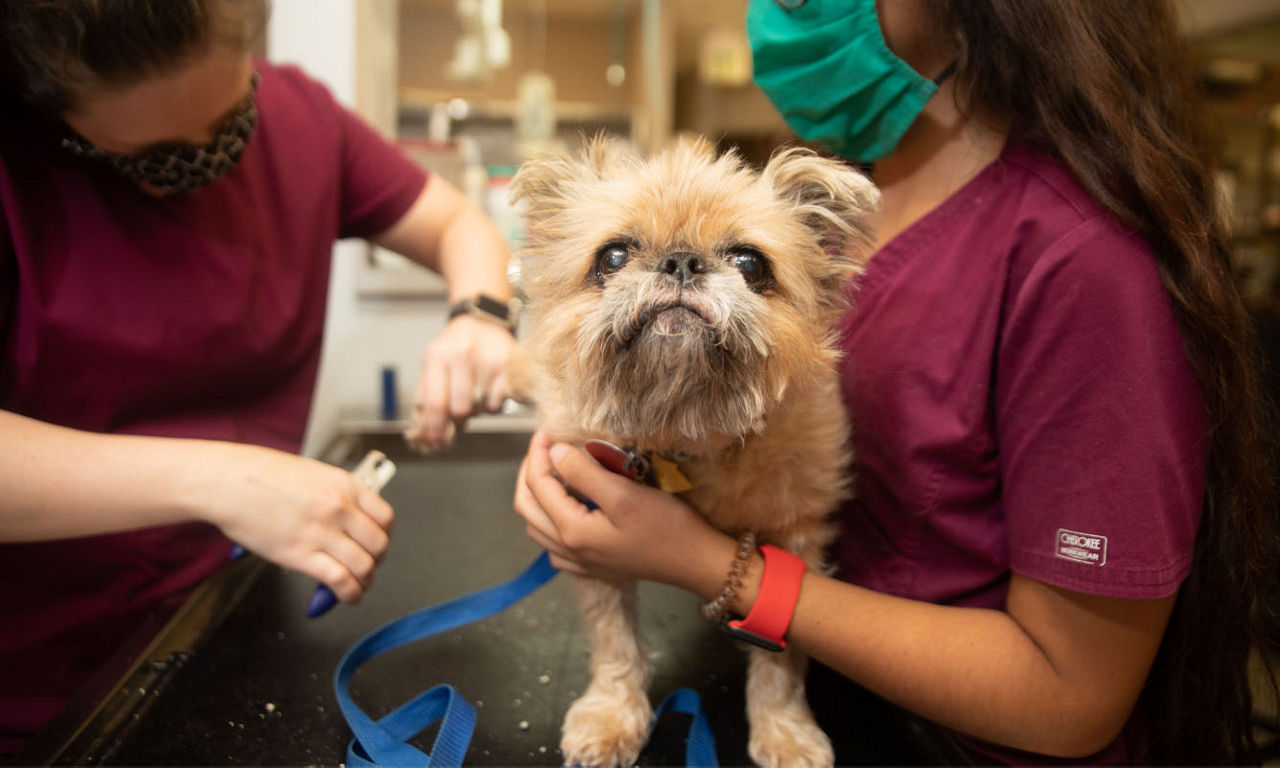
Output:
x=385 y=741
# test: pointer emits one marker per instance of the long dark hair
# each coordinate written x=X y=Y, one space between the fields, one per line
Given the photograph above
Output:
x=1106 y=86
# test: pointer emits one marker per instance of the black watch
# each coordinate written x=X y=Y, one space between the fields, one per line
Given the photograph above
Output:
x=485 y=308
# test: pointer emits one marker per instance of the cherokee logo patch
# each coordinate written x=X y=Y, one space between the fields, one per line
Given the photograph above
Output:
x=1087 y=548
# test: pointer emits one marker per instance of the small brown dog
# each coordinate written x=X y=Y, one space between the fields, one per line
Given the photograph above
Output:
x=684 y=306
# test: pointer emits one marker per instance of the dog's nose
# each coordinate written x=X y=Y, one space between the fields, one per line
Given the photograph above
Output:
x=683 y=266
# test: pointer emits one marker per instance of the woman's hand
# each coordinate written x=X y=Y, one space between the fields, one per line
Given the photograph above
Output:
x=464 y=372
x=464 y=369
x=637 y=533
x=297 y=512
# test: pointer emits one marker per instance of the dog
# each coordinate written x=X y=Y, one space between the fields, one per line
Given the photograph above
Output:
x=684 y=307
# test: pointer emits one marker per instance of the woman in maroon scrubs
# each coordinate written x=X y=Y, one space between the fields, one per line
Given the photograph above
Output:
x=168 y=208
x=1062 y=542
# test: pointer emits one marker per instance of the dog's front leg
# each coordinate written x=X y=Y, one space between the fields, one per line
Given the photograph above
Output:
x=783 y=729
x=608 y=724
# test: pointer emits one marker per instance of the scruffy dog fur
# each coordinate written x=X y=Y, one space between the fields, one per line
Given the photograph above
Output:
x=684 y=305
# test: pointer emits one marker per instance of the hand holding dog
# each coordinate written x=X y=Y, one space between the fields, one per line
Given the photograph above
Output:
x=638 y=533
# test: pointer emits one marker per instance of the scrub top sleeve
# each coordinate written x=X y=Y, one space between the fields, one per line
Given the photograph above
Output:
x=1100 y=421
x=379 y=181
x=8 y=268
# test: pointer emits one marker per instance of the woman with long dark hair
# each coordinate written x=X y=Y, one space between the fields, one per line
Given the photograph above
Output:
x=1109 y=91
x=1063 y=541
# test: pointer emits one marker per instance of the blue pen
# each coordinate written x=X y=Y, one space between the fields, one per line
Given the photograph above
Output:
x=374 y=471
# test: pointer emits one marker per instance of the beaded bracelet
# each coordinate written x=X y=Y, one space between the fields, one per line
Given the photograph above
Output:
x=714 y=609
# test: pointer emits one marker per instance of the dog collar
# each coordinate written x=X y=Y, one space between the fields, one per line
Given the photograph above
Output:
x=646 y=467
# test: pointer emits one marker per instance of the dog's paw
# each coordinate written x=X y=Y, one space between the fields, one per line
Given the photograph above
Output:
x=790 y=740
x=415 y=437
x=605 y=731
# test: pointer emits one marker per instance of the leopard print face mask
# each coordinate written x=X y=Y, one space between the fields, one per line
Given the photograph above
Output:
x=182 y=168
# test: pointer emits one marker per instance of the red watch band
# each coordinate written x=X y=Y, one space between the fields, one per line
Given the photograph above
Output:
x=775 y=604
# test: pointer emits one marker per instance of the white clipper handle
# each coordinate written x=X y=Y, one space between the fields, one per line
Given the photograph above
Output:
x=374 y=471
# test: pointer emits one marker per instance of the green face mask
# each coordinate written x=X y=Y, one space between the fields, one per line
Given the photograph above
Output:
x=825 y=65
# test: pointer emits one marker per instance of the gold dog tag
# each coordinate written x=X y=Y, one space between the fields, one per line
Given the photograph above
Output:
x=668 y=475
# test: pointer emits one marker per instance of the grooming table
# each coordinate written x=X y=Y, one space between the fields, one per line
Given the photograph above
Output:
x=239 y=676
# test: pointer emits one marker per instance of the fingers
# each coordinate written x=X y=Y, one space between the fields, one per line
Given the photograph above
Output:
x=375 y=507
x=547 y=489
x=528 y=507
x=538 y=524
x=345 y=584
x=561 y=558
x=370 y=525
x=462 y=393
x=431 y=406
x=479 y=362
x=498 y=392
x=350 y=554
x=585 y=475
x=568 y=566
x=464 y=373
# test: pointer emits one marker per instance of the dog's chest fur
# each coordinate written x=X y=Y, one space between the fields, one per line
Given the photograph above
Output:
x=781 y=483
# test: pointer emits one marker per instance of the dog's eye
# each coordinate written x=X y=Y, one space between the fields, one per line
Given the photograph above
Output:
x=612 y=257
x=751 y=264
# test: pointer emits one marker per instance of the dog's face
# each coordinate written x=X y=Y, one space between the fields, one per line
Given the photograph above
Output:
x=675 y=301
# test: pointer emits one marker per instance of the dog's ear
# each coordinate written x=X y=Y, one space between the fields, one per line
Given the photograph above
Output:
x=545 y=184
x=831 y=198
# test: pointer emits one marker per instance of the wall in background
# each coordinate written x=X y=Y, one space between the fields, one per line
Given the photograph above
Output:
x=1199 y=17
x=349 y=45
x=576 y=54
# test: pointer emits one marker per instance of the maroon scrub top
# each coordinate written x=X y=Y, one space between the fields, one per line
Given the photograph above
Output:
x=196 y=315
x=1021 y=402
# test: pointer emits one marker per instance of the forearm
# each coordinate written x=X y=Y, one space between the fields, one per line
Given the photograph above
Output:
x=62 y=483
x=473 y=257
x=973 y=670
x=447 y=233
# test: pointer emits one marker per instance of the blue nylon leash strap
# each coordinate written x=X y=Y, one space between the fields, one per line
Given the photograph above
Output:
x=700 y=747
x=385 y=741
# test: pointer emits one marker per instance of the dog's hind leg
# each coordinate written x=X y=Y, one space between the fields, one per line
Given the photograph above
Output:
x=608 y=724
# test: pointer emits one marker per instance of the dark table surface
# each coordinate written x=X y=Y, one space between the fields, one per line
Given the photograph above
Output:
x=242 y=677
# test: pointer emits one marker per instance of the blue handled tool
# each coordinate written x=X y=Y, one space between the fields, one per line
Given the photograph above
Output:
x=374 y=471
